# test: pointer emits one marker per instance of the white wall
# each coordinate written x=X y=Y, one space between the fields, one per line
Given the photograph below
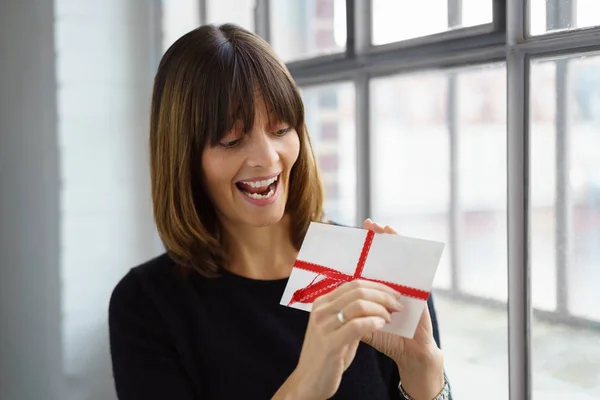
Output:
x=75 y=211
x=30 y=342
x=106 y=58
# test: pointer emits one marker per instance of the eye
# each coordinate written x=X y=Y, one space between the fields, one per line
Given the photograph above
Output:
x=283 y=131
x=231 y=143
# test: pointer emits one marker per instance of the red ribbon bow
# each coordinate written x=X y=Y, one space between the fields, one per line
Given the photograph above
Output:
x=335 y=278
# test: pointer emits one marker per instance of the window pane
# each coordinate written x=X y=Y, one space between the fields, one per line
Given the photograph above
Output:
x=307 y=28
x=565 y=192
x=331 y=124
x=552 y=15
x=240 y=12
x=411 y=120
x=542 y=161
x=410 y=153
x=178 y=18
x=394 y=20
x=482 y=171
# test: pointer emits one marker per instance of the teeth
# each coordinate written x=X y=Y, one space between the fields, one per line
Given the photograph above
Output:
x=259 y=184
x=260 y=196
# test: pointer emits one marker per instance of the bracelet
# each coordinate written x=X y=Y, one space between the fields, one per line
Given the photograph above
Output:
x=444 y=394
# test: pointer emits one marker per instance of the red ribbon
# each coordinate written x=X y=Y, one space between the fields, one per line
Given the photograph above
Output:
x=335 y=278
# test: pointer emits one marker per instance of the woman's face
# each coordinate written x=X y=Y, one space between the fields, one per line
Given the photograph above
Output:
x=247 y=175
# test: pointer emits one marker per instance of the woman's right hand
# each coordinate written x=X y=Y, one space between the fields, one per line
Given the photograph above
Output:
x=330 y=344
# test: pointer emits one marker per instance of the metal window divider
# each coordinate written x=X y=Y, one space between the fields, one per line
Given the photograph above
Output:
x=519 y=299
x=358 y=25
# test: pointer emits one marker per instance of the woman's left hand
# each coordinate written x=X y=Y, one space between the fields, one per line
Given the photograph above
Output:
x=420 y=361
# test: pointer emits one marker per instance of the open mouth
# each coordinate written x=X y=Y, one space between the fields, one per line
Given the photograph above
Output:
x=259 y=190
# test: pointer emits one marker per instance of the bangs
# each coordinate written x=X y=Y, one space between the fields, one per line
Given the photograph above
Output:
x=247 y=73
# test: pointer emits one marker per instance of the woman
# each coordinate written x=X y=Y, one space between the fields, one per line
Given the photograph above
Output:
x=234 y=187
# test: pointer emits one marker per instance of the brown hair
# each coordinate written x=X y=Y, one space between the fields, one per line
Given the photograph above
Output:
x=206 y=81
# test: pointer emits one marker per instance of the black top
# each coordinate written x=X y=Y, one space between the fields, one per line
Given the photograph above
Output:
x=222 y=338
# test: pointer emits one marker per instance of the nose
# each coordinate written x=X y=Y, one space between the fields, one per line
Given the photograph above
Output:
x=263 y=150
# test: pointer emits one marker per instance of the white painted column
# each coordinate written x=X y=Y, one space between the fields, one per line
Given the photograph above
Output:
x=106 y=59
x=30 y=341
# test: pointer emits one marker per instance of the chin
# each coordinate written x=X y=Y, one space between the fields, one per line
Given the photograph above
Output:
x=270 y=215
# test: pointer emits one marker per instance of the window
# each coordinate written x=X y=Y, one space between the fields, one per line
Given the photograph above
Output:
x=181 y=16
x=553 y=15
x=565 y=188
x=178 y=18
x=441 y=136
x=330 y=121
x=410 y=180
x=543 y=183
x=307 y=28
x=239 y=12
x=477 y=123
x=395 y=20
x=481 y=244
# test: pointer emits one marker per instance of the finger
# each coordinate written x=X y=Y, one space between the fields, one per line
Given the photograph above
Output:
x=425 y=320
x=377 y=228
x=386 y=298
x=357 y=328
x=355 y=285
x=361 y=302
x=390 y=230
x=357 y=309
x=372 y=226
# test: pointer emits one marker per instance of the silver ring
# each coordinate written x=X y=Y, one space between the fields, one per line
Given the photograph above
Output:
x=341 y=317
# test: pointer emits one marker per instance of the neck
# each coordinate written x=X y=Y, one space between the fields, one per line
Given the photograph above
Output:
x=261 y=253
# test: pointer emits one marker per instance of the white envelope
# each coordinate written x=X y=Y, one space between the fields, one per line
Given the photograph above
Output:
x=407 y=264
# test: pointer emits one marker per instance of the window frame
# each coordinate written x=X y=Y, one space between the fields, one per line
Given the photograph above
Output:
x=507 y=40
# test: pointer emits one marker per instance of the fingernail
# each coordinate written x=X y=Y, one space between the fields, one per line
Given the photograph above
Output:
x=379 y=322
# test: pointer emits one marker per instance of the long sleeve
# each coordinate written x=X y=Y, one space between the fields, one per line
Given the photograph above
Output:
x=144 y=362
x=434 y=321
